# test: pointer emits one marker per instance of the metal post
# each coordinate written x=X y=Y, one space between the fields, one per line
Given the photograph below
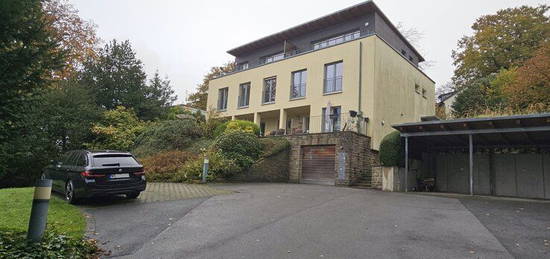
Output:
x=406 y=164
x=204 y=170
x=39 y=211
x=471 y=164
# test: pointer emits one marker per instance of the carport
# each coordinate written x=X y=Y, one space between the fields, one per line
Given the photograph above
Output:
x=503 y=156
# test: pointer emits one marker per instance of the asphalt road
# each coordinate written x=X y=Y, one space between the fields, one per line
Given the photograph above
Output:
x=302 y=221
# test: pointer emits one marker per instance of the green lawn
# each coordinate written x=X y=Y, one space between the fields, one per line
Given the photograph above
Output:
x=15 y=209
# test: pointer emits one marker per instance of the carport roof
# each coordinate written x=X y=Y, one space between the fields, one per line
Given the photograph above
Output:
x=533 y=129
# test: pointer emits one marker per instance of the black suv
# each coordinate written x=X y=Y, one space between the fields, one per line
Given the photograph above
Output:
x=84 y=174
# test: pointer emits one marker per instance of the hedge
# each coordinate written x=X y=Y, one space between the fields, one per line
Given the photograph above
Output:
x=392 y=150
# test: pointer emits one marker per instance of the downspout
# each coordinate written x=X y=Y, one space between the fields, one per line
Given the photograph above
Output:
x=359 y=112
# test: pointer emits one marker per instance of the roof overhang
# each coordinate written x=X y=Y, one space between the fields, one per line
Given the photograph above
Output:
x=526 y=130
x=317 y=24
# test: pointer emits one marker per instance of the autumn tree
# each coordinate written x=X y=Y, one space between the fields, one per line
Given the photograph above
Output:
x=199 y=98
x=76 y=36
x=529 y=85
x=500 y=41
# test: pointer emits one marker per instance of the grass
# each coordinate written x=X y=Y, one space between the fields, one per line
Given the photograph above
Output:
x=15 y=210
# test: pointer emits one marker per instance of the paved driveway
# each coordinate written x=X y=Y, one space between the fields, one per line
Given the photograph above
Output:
x=297 y=221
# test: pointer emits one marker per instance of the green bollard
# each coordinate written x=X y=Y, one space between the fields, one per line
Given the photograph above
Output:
x=39 y=211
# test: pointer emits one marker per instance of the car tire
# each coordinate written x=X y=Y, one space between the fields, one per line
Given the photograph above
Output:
x=70 y=195
x=132 y=195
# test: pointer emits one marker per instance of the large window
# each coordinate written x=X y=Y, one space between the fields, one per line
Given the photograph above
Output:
x=331 y=121
x=222 y=99
x=270 y=85
x=333 y=77
x=298 y=87
x=337 y=40
x=273 y=58
x=244 y=95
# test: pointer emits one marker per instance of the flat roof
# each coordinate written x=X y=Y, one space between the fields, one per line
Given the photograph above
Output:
x=319 y=23
x=531 y=129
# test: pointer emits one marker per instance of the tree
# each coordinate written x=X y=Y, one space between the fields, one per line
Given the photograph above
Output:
x=28 y=55
x=66 y=114
x=77 y=37
x=500 y=41
x=199 y=98
x=117 y=78
x=529 y=85
x=160 y=97
x=478 y=98
x=117 y=129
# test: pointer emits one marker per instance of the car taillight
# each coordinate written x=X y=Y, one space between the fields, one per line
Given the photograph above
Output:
x=139 y=173
x=87 y=174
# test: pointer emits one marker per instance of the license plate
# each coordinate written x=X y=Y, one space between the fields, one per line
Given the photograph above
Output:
x=118 y=176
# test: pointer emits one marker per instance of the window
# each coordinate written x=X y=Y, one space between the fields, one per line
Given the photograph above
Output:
x=222 y=99
x=417 y=88
x=333 y=77
x=244 y=95
x=242 y=66
x=269 y=90
x=337 y=40
x=423 y=92
x=411 y=58
x=298 y=87
x=331 y=122
x=114 y=160
x=403 y=52
x=273 y=58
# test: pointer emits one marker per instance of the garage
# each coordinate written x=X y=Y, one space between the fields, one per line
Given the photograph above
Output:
x=501 y=156
x=318 y=164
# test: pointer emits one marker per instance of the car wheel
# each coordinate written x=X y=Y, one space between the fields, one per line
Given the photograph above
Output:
x=132 y=195
x=70 y=193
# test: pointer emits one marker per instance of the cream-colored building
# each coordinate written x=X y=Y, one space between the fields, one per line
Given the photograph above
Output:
x=352 y=63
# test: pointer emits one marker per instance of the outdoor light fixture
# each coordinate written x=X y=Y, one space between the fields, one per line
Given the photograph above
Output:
x=353 y=114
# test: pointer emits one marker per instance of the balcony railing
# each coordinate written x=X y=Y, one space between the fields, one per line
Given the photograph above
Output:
x=332 y=123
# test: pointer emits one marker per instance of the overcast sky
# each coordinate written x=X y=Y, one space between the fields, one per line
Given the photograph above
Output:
x=183 y=39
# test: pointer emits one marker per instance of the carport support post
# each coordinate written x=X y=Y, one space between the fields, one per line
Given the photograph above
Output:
x=470 y=142
x=406 y=164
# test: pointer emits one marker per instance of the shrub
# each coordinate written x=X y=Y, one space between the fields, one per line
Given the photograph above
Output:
x=391 y=150
x=219 y=166
x=53 y=245
x=117 y=129
x=167 y=135
x=164 y=165
x=243 y=147
x=237 y=125
x=273 y=146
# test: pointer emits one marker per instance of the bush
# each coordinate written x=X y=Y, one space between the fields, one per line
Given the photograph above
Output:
x=219 y=166
x=167 y=135
x=391 y=150
x=117 y=129
x=164 y=165
x=237 y=125
x=243 y=147
x=273 y=146
x=53 y=245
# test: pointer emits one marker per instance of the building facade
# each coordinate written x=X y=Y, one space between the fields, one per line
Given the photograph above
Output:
x=348 y=71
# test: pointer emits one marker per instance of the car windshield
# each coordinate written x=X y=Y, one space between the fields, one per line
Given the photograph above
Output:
x=114 y=160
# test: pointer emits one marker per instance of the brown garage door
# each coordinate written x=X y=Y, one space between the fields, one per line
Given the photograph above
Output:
x=318 y=165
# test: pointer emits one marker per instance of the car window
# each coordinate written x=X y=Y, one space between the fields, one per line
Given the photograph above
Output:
x=114 y=160
x=81 y=159
x=66 y=160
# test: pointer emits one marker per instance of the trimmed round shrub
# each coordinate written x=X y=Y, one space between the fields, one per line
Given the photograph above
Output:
x=237 y=125
x=167 y=135
x=392 y=150
x=243 y=147
x=164 y=165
